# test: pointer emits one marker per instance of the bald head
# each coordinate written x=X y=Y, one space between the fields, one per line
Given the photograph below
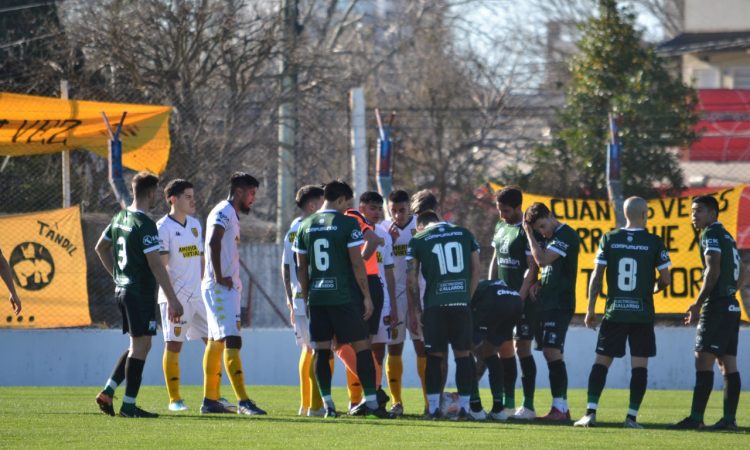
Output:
x=636 y=212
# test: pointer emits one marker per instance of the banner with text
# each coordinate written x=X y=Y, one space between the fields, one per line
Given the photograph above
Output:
x=46 y=254
x=31 y=125
x=668 y=217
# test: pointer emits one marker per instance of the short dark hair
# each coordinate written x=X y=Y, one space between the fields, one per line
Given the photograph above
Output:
x=335 y=189
x=143 y=183
x=423 y=200
x=535 y=212
x=509 y=196
x=398 y=196
x=709 y=201
x=427 y=217
x=307 y=193
x=371 y=197
x=242 y=180
x=176 y=187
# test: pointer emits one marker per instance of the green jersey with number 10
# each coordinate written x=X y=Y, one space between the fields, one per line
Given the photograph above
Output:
x=325 y=239
x=444 y=252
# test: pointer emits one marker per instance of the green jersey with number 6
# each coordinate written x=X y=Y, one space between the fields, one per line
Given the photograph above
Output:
x=715 y=238
x=632 y=257
x=325 y=239
x=444 y=252
x=133 y=235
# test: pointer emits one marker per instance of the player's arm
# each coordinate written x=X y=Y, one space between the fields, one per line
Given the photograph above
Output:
x=542 y=256
x=214 y=247
x=360 y=276
x=7 y=276
x=475 y=269
x=372 y=241
x=286 y=276
x=174 y=308
x=103 y=249
x=595 y=288
x=492 y=272
x=529 y=278
x=302 y=276
x=710 y=278
x=412 y=293
x=665 y=279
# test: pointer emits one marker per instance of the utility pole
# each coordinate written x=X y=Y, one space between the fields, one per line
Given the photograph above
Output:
x=287 y=121
x=614 y=185
x=359 y=142
x=65 y=155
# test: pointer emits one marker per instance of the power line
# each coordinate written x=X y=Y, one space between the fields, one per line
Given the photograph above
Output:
x=20 y=8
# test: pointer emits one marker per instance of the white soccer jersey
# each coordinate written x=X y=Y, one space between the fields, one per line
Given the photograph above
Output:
x=184 y=245
x=287 y=259
x=223 y=215
x=399 y=253
x=385 y=258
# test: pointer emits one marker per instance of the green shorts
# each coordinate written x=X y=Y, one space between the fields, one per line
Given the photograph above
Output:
x=552 y=327
x=443 y=325
x=719 y=329
x=344 y=322
x=613 y=335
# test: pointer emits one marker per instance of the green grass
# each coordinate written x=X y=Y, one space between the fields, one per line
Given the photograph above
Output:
x=59 y=417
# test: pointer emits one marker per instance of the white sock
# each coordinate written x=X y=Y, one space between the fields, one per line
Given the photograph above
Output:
x=592 y=406
x=372 y=401
x=328 y=400
x=560 y=404
x=111 y=383
x=463 y=402
x=433 y=400
x=633 y=412
x=126 y=399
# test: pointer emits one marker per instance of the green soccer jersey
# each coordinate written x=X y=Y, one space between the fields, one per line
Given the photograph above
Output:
x=632 y=257
x=715 y=238
x=325 y=239
x=133 y=235
x=444 y=252
x=489 y=291
x=558 y=286
x=511 y=251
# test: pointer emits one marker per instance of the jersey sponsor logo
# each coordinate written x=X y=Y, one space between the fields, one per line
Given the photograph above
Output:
x=195 y=231
x=450 y=286
x=506 y=292
x=640 y=248
x=380 y=257
x=324 y=284
x=711 y=242
x=356 y=234
x=399 y=250
x=734 y=308
x=292 y=235
x=560 y=244
x=177 y=331
x=122 y=227
x=189 y=251
x=627 y=304
x=664 y=255
x=328 y=228
x=150 y=240
x=505 y=246
x=510 y=263
x=32 y=266
x=443 y=235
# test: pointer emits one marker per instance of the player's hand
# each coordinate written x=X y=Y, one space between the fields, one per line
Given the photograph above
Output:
x=174 y=311
x=368 y=308
x=15 y=303
x=394 y=315
x=528 y=228
x=226 y=282
x=692 y=313
x=590 y=320
x=393 y=231
x=291 y=316
x=534 y=291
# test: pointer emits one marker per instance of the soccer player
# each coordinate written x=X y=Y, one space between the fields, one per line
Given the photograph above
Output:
x=630 y=257
x=496 y=308
x=718 y=315
x=559 y=262
x=332 y=278
x=221 y=289
x=129 y=250
x=7 y=276
x=512 y=262
x=309 y=199
x=448 y=257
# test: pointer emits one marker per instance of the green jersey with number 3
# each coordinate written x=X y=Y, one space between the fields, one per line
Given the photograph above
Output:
x=511 y=250
x=325 y=239
x=133 y=234
x=632 y=257
x=715 y=238
x=444 y=254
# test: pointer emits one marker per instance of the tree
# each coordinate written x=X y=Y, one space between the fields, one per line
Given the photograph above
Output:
x=615 y=72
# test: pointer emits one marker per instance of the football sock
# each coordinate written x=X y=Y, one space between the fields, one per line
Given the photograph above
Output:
x=118 y=375
x=638 y=383
x=212 y=369
x=432 y=375
x=528 y=380
x=323 y=374
x=496 y=376
x=316 y=402
x=394 y=370
x=597 y=380
x=353 y=388
x=465 y=379
x=133 y=377
x=171 y=363
x=556 y=378
x=732 y=389
x=347 y=355
x=366 y=373
x=433 y=402
x=510 y=374
x=475 y=401
x=304 y=378
x=233 y=366
x=704 y=382
x=422 y=372
x=378 y=372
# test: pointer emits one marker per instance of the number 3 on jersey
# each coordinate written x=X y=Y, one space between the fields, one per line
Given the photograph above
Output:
x=322 y=259
x=122 y=255
x=450 y=257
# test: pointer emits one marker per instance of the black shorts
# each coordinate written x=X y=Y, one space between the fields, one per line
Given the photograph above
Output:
x=718 y=330
x=377 y=297
x=527 y=324
x=494 y=321
x=612 y=337
x=552 y=326
x=443 y=325
x=138 y=312
x=344 y=322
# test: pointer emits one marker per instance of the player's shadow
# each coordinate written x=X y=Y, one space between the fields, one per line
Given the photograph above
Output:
x=665 y=427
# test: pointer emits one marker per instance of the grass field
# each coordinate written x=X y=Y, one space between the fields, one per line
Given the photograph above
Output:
x=67 y=417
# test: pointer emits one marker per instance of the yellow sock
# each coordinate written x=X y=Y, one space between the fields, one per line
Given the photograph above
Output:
x=394 y=370
x=212 y=369
x=421 y=366
x=233 y=365
x=316 y=402
x=171 y=364
x=353 y=387
x=304 y=378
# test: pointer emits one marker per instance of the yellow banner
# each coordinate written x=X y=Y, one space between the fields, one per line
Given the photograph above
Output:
x=669 y=218
x=32 y=125
x=46 y=254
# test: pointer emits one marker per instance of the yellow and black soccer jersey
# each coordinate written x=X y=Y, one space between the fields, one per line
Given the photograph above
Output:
x=325 y=238
x=444 y=254
x=558 y=286
x=632 y=257
x=184 y=245
x=715 y=238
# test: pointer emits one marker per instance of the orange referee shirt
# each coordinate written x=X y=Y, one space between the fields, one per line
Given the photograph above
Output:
x=371 y=263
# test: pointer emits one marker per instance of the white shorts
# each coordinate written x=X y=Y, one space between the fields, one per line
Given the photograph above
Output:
x=192 y=324
x=222 y=311
x=399 y=332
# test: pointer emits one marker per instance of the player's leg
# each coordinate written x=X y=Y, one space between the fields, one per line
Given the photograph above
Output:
x=507 y=354
x=642 y=341
x=435 y=346
x=321 y=334
x=213 y=353
x=610 y=344
x=174 y=335
x=524 y=336
x=348 y=356
x=457 y=322
x=728 y=365
x=105 y=396
x=500 y=337
x=377 y=296
x=141 y=311
x=419 y=350
x=302 y=338
x=555 y=328
x=394 y=366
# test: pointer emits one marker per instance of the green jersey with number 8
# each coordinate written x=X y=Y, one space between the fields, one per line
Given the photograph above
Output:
x=632 y=257
x=133 y=234
x=715 y=238
x=325 y=239
x=444 y=252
